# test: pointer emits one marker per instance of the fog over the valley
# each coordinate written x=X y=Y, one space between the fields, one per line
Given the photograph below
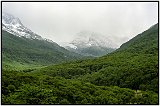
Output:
x=61 y=21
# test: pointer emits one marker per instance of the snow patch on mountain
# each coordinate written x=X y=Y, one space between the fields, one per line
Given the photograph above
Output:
x=14 y=26
x=66 y=45
x=86 y=39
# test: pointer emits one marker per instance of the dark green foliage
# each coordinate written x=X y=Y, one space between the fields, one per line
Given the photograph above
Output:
x=58 y=90
x=127 y=76
x=11 y=88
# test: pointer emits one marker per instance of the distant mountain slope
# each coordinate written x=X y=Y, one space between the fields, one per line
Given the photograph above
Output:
x=134 y=65
x=90 y=44
x=21 y=45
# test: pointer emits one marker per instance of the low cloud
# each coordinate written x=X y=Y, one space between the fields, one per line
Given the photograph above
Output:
x=60 y=21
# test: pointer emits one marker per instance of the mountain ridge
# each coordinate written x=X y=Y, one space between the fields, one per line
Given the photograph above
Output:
x=14 y=26
x=90 y=44
x=21 y=45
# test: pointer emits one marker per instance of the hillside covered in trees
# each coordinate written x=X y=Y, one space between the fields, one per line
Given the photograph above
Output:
x=129 y=75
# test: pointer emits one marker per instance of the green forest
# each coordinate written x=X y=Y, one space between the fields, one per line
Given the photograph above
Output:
x=128 y=75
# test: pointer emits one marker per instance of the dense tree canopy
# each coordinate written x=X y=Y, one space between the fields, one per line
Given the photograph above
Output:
x=127 y=76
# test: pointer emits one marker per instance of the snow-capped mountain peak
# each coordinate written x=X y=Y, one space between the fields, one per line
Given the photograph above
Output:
x=86 y=39
x=14 y=26
x=89 y=43
x=10 y=19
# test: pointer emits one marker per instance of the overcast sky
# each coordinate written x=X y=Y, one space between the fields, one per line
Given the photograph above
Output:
x=60 y=21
